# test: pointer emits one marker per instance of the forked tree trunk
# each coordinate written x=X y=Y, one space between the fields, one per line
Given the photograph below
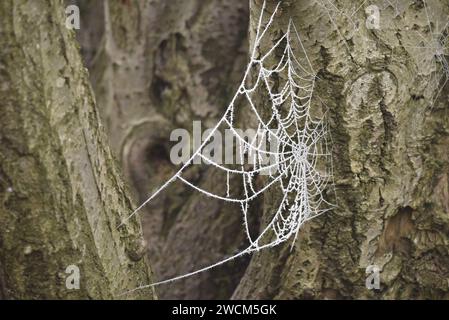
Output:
x=162 y=65
x=391 y=166
x=390 y=147
x=62 y=197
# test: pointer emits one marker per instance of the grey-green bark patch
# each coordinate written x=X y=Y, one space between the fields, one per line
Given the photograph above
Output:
x=62 y=197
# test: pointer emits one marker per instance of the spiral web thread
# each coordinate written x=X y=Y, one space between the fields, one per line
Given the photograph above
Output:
x=302 y=166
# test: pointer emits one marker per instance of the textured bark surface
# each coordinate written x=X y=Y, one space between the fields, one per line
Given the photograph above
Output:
x=61 y=196
x=163 y=64
x=390 y=157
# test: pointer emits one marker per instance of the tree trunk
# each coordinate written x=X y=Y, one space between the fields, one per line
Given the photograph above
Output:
x=390 y=150
x=161 y=65
x=62 y=198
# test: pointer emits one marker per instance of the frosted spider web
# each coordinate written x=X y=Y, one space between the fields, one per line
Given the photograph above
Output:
x=302 y=166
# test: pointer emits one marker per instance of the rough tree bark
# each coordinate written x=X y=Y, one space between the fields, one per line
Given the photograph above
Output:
x=62 y=197
x=161 y=65
x=153 y=74
x=390 y=156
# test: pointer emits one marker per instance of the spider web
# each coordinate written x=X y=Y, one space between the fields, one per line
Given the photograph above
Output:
x=433 y=52
x=301 y=165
